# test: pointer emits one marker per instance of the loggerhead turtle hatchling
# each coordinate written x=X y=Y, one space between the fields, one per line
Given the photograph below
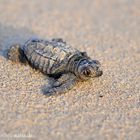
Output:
x=56 y=59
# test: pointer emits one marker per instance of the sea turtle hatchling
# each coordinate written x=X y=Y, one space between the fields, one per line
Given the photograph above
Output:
x=56 y=59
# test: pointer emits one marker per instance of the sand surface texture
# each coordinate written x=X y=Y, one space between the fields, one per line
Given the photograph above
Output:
x=104 y=108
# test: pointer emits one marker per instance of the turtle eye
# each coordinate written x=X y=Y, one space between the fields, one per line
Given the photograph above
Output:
x=87 y=72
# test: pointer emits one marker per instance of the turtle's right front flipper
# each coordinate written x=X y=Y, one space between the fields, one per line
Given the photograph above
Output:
x=16 y=54
x=62 y=84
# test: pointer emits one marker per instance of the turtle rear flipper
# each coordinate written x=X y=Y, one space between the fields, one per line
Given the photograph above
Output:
x=16 y=54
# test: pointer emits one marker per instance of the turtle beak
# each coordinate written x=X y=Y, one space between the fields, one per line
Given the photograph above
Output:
x=99 y=73
x=96 y=65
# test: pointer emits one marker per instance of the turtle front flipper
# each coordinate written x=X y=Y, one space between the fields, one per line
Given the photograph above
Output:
x=16 y=54
x=62 y=85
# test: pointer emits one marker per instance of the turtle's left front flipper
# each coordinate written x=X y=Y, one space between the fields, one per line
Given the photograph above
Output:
x=62 y=85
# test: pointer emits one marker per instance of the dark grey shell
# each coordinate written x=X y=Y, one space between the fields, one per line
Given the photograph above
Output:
x=48 y=56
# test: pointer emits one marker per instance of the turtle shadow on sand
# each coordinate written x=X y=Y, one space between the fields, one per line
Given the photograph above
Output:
x=10 y=35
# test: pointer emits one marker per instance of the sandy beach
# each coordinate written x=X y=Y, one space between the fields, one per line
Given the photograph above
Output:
x=105 y=108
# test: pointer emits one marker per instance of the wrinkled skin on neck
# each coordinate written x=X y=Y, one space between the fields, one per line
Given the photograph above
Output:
x=88 y=68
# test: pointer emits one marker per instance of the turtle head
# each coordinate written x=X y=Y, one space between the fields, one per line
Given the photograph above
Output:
x=89 y=69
